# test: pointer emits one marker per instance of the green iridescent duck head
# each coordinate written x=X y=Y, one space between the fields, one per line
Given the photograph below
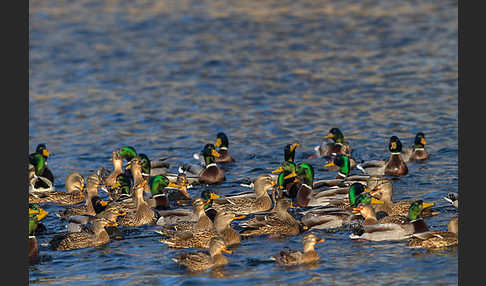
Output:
x=222 y=140
x=287 y=173
x=128 y=153
x=306 y=173
x=123 y=183
x=336 y=135
x=159 y=183
x=354 y=191
x=39 y=163
x=365 y=198
x=342 y=161
x=289 y=152
x=209 y=152
x=416 y=209
x=145 y=164
x=42 y=149
x=420 y=140
x=395 y=146
x=208 y=197
x=36 y=214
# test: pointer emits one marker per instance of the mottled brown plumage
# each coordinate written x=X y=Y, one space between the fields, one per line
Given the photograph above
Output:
x=92 y=184
x=438 y=238
x=143 y=214
x=290 y=257
x=201 y=261
x=72 y=196
x=197 y=221
x=83 y=239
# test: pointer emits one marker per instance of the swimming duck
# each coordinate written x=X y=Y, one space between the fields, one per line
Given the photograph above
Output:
x=76 y=240
x=286 y=178
x=279 y=223
x=417 y=152
x=338 y=146
x=92 y=184
x=289 y=152
x=384 y=193
x=209 y=197
x=72 y=196
x=248 y=204
x=211 y=174
x=198 y=220
x=391 y=228
x=394 y=166
x=117 y=161
x=36 y=214
x=290 y=257
x=201 y=238
x=121 y=189
x=160 y=197
x=453 y=199
x=39 y=160
x=156 y=167
x=201 y=261
x=222 y=143
x=143 y=214
x=437 y=238
x=81 y=223
x=343 y=162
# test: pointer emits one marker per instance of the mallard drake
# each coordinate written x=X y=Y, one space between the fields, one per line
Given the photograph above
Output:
x=156 y=167
x=338 y=146
x=453 y=199
x=39 y=160
x=334 y=217
x=343 y=162
x=160 y=197
x=76 y=240
x=201 y=238
x=121 y=189
x=222 y=144
x=39 y=213
x=143 y=214
x=394 y=166
x=36 y=214
x=437 y=238
x=289 y=152
x=72 y=196
x=290 y=257
x=396 y=228
x=249 y=204
x=211 y=174
x=92 y=184
x=384 y=192
x=417 y=152
x=209 y=197
x=280 y=222
x=201 y=261
x=286 y=178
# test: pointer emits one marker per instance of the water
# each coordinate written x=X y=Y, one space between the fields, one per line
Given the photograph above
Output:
x=166 y=76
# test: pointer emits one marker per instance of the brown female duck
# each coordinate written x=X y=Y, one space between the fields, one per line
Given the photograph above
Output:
x=77 y=240
x=143 y=214
x=201 y=238
x=291 y=257
x=179 y=220
x=437 y=238
x=201 y=261
x=72 y=196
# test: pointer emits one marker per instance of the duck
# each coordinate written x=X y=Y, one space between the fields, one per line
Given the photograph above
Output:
x=174 y=216
x=278 y=223
x=394 y=166
x=121 y=189
x=201 y=238
x=160 y=196
x=338 y=146
x=157 y=167
x=248 y=204
x=286 y=178
x=289 y=257
x=44 y=179
x=72 y=196
x=211 y=173
x=384 y=192
x=92 y=183
x=343 y=162
x=395 y=228
x=333 y=217
x=201 y=261
x=417 y=151
x=289 y=152
x=222 y=145
x=144 y=214
x=453 y=199
x=77 y=240
x=36 y=214
x=81 y=223
x=182 y=221
x=117 y=162
x=437 y=238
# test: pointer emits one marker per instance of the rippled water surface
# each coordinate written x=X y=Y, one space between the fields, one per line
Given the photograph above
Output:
x=166 y=76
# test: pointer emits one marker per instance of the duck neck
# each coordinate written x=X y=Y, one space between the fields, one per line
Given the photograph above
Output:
x=309 y=247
